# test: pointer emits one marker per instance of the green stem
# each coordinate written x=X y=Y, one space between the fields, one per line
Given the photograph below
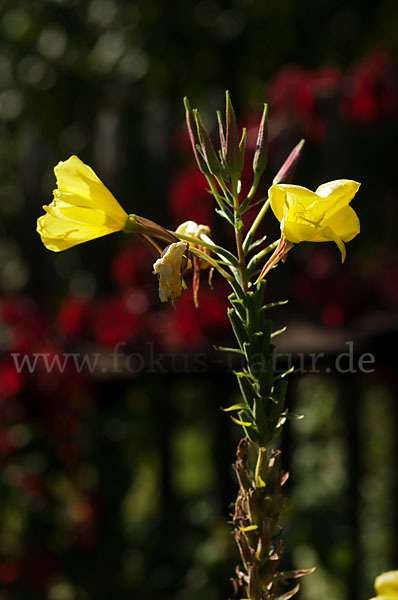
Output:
x=253 y=189
x=256 y=223
x=238 y=234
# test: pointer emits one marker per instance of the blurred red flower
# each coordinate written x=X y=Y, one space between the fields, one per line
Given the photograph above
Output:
x=72 y=316
x=371 y=90
x=295 y=95
x=114 y=322
x=187 y=327
x=9 y=571
x=132 y=265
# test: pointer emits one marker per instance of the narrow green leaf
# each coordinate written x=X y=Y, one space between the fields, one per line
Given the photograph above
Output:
x=235 y=407
x=225 y=215
x=225 y=349
x=256 y=243
x=296 y=573
x=273 y=304
x=249 y=528
x=289 y=594
x=237 y=327
x=278 y=332
x=242 y=423
x=293 y=416
x=244 y=374
x=284 y=374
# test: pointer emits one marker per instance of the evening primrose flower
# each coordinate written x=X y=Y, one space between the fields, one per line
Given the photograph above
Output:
x=169 y=269
x=83 y=208
x=320 y=216
x=386 y=586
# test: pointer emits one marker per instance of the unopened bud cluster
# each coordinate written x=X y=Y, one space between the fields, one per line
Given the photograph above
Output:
x=228 y=162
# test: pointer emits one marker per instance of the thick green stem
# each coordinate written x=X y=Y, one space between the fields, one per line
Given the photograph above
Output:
x=260 y=501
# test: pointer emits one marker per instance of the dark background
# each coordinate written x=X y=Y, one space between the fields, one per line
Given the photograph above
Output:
x=118 y=484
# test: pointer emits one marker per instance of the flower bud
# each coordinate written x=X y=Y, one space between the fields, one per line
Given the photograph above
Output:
x=232 y=152
x=261 y=153
x=191 y=127
x=287 y=169
x=242 y=148
x=209 y=153
x=222 y=134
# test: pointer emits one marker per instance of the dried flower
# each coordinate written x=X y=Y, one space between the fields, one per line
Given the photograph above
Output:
x=169 y=269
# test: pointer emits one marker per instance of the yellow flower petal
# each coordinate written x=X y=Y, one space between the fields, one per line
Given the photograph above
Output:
x=285 y=196
x=297 y=232
x=387 y=584
x=82 y=209
x=339 y=193
x=331 y=236
x=344 y=223
x=78 y=182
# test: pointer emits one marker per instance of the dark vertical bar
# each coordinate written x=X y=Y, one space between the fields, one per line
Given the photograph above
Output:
x=350 y=405
x=163 y=409
x=223 y=447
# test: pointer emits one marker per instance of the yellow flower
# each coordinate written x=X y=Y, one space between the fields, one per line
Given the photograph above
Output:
x=82 y=209
x=386 y=586
x=169 y=268
x=320 y=216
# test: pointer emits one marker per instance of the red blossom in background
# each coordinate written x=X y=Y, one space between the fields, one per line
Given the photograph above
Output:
x=189 y=328
x=10 y=571
x=73 y=315
x=114 y=322
x=371 y=89
x=132 y=265
x=295 y=95
x=368 y=92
